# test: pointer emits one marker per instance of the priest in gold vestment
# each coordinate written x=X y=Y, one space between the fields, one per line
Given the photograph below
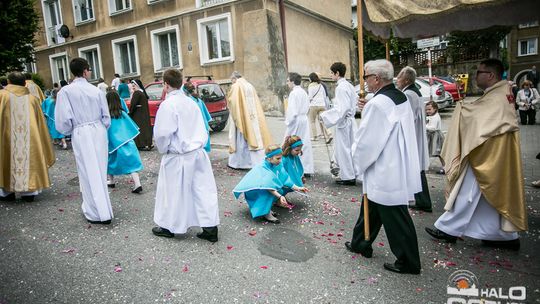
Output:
x=26 y=152
x=482 y=156
x=248 y=132
x=33 y=88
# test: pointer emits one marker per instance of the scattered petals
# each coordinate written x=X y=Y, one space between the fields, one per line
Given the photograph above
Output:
x=381 y=244
x=185 y=268
x=252 y=232
x=230 y=247
x=69 y=250
x=264 y=267
x=354 y=200
x=117 y=268
x=227 y=213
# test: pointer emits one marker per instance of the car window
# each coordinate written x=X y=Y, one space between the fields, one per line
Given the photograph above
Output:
x=210 y=92
x=154 y=91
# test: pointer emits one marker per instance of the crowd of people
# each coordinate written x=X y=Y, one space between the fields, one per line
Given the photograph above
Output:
x=389 y=152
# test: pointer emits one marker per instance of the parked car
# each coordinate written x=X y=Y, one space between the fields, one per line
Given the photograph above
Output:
x=436 y=91
x=449 y=86
x=209 y=91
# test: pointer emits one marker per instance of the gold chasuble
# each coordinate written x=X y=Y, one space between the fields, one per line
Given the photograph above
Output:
x=35 y=90
x=26 y=152
x=485 y=135
x=248 y=116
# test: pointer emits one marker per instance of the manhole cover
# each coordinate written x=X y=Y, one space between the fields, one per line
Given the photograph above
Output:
x=287 y=245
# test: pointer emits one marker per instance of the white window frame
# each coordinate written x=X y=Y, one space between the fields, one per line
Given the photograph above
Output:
x=527 y=39
x=116 y=56
x=112 y=7
x=49 y=30
x=77 y=12
x=150 y=2
x=52 y=58
x=98 y=50
x=203 y=47
x=155 y=47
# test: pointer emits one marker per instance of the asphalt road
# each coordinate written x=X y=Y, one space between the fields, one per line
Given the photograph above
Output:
x=50 y=254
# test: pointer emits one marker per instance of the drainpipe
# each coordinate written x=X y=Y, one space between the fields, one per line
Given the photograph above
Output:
x=283 y=30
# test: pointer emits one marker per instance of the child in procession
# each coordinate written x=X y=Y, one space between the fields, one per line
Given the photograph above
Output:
x=124 y=156
x=292 y=149
x=435 y=136
x=266 y=184
x=48 y=107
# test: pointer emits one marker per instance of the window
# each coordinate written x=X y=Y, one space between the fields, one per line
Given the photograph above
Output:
x=528 y=47
x=201 y=3
x=52 y=16
x=119 y=6
x=126 y=59
x=529 y=24
x=83 y=10
x=93 y=55
x=215 y=39
x=59 y=67
x=165 y=48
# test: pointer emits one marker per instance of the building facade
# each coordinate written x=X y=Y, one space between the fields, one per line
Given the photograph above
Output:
x=262 y=39
x=523 y=50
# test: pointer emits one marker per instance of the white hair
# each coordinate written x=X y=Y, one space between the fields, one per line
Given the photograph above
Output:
x=408 y=73
x=380 y=67
x=236 y=75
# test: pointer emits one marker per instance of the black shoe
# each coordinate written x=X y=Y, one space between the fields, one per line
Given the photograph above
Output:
x=107 y=222
x=347 y=182
x=209 y=233
x=392 y=267
x=137 y=190
x=28 y=198
x=162 y=232
x=307 y=175
x=8 y=198
x=111 y=185
x=436 y=233
x=367 y=254
x=512 y=244
x=414 y=207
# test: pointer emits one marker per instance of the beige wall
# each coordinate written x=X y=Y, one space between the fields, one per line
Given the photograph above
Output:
x=520 y=63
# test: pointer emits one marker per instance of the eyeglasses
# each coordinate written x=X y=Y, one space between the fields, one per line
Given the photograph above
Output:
x=367 y=76
x=480 y=72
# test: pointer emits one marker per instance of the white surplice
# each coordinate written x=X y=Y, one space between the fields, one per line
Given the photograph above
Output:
x=419 y=113
x=471 y=215
x=385 y=152
x=342 y=116
x=297 y=124
x=186 y=194
x=82 y=111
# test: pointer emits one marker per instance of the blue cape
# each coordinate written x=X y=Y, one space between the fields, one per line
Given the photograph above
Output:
x=258 y=181
x=47 y=106
x=294 y=168
x=121 y=131
x=206 y=118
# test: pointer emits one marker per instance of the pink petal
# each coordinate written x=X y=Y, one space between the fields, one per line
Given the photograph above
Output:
x=264 y=267
x=69 y=250
x=60 y=209
x=354 y=200
x=381 y=244
x=117 y=268
x=451 y=264
x=252 y=232
x=186 y=268
x=227 y=213
x=230 y=247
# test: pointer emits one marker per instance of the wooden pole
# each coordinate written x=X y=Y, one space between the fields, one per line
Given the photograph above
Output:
x=362 y=95
x=387 y=44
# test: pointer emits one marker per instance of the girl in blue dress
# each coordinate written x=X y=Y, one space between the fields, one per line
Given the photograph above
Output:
x=266 y=184
x=48 y=106
x=189 y=89
x=124 y=156
x=292 y=149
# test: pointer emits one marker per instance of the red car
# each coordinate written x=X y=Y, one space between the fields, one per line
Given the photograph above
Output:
x=209 y=91
x=449 y=86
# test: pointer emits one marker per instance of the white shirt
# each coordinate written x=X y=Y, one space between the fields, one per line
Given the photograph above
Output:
x=385 y=152
x=78 y=103
x=298 y=105
x=179 y=126
x=103 y=87
x=433 y=122
x=316 y=94
x=115 y=83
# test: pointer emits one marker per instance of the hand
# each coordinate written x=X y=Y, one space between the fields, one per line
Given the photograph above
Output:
x=283 y=202
x=302 y=189
x=361 y=103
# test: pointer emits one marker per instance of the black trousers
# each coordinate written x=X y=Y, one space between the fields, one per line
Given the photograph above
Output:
x=527 y=117
x=423 y=199
x=399 y=229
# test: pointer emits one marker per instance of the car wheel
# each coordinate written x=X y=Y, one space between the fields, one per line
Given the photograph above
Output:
x=219 y=127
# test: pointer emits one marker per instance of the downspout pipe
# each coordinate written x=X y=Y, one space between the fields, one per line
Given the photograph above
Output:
x=283 y=30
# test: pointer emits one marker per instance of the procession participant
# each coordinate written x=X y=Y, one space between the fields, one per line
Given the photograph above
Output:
x=186 y=194
x=435 y=135
x=124 y=157
x=406 y=83
x=482 y=158
x=342 y=116
x=292 y=149
x=267 y=184
x=115 y=82
x=26 y=152
x=385 y=152
x=140 y=113
x=34 y=89
x=102 y=85
x=189 y=90
x=248 y=132
x=48 y=106
x=297 y=121
x=82 y=112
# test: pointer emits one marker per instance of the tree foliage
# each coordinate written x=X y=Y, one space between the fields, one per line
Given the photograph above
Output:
x=480 y=42
x=374 y=47
x=19 y=22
